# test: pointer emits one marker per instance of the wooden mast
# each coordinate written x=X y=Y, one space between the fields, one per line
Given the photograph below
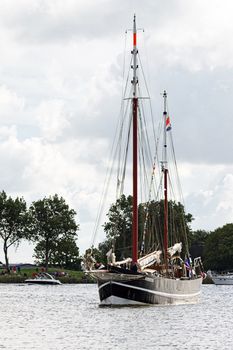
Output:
x=165 y=174
x=135 y=147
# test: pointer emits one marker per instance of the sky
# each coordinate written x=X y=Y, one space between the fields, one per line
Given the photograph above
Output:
x=60 y=91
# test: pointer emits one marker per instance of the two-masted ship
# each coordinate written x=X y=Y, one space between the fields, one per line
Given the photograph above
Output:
x=165 y=273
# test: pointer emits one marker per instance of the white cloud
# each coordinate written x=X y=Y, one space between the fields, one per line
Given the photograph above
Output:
x=225 y=197
x=8 y=133
x=197 y=36
x=52 y=119
x=11 y=105
x=210 y=201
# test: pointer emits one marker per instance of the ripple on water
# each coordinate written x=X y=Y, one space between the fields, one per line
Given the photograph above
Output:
x=68 y=317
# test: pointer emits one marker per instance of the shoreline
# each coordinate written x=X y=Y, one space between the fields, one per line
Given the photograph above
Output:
x=64 y=276
x=78 y=278
x=63 y=280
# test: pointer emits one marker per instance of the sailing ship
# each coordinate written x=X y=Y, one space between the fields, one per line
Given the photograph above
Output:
x=165 y=273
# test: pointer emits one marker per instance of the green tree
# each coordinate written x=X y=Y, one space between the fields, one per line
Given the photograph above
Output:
x=103 y=248
x=53 y=221
x=219 y=249
x=64 y=253
x=197 y=243
x=118 y=228
x=153 y=227
x=40 y=252
x=13 y=222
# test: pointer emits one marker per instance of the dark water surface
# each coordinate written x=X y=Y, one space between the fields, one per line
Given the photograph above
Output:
x=68 y=317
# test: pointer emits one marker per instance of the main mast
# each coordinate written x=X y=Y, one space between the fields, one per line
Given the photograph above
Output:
x=165 y=174
x=135 y=146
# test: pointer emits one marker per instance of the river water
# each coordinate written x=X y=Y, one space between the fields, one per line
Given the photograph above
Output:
x=68 y=317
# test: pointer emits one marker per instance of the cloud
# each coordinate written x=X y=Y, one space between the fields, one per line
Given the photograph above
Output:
x=61 y=70
x=58 y=21
x=13 y=160
x=52 y=119
x=195 y=36
x=10 y=105
x=211 y=201
x=225 y=191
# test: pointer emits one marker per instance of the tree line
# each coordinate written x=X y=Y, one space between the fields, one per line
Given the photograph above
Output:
x=214 y=247
x=49 y=223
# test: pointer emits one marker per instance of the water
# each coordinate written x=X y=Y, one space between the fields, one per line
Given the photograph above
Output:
x=68 y=317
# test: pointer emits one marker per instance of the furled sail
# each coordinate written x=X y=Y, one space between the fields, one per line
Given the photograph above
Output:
x=150 y=259
x=176 y=248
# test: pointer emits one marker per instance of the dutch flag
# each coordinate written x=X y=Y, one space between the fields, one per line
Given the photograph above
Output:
x=168 y=124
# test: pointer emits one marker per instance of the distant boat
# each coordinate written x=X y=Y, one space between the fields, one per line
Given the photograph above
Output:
x=221 y=279
x=43 y=278
x=162 y=271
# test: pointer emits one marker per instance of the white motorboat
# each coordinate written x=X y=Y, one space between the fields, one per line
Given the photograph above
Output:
x=221 y=279
x=43 y=278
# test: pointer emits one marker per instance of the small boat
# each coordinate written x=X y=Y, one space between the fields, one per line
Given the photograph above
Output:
x=221 y=279
x=43 y=278
x=159 y=268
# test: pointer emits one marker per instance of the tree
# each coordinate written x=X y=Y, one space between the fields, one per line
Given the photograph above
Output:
x=219 y=249
x=119 y=227
x=40 y=252
x=153 y=227
x=197 y=243
x=64 y=253
x=13 y=222
x=150 y=224
x=53 y=222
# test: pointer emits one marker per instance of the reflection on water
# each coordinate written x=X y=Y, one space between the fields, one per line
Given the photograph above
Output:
x=68 y=317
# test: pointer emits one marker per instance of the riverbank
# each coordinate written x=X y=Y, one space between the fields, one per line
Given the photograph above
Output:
x=65 y=276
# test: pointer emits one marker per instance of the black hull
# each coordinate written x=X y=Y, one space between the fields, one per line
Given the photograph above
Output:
x=149 y=291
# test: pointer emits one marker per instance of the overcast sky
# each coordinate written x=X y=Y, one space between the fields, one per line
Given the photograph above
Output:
x=60 y=88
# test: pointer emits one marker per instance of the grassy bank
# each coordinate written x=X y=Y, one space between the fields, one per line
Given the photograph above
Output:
x=65 y=276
